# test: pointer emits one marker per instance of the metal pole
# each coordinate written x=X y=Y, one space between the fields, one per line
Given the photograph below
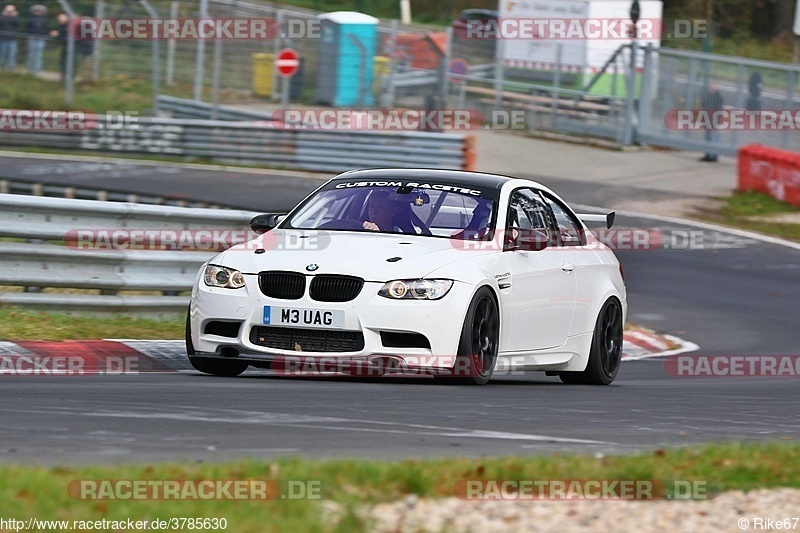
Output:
x=646 y=96
x=690 y=83
x=67 y=8
x=276 y=49
x=627 y=137
x=670 y=89
x=614 y=78
x=285 y=93
x=556 y=85
x=173 y=13
x=499 y=72
x=70 y=70
x=200 y=57
x=740 y=90
x=156 y=73
x=445 y=89
x=789 y=101
x=390 y=92
x=405 y=11
x=630 y=107
x=99 y=13
x=151 y=12
x=217 y=74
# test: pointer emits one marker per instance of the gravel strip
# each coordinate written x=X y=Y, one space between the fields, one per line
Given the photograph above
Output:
x=722 y=513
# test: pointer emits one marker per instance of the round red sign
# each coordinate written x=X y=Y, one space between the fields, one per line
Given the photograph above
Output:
x=288 y=63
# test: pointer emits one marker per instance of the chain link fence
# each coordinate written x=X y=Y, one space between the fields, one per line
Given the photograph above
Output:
x=242 y=71
x=635 y=97
x=690 y=82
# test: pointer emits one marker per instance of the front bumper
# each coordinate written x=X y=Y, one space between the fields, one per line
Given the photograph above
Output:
x=439 y=321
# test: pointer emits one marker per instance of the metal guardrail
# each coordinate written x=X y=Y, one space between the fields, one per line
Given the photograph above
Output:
x=34 y=188
x=185 y=108
x=260 y=143
x=412 y=77
x=37 y=264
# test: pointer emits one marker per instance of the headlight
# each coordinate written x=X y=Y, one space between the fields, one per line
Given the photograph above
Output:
x=416 y=289
x=219 y=276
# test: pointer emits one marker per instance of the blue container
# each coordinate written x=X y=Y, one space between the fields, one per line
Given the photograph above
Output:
x=346 y=57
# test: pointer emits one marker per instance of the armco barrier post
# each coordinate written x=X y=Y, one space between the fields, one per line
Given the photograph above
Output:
x=770 y=171
x=470 y=143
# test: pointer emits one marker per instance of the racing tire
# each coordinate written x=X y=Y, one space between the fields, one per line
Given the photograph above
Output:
x=479 y=342
x=606 y=349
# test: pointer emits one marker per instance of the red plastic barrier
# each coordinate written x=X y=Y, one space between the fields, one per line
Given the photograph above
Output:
x=770 y=171
x=417 y=48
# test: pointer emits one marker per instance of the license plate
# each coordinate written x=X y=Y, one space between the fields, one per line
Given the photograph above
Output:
x=307 y=318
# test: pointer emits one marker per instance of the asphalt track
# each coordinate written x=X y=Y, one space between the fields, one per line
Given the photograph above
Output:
x=237 y=187
x=732 y=296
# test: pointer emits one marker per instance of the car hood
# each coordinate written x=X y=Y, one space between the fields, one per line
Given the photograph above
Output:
x=366 y=255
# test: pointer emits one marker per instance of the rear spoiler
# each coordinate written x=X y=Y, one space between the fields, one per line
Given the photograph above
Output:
x=607 y=219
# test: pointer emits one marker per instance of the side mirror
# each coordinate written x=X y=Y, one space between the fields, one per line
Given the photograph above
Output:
x=264 y=223
x=527 y=240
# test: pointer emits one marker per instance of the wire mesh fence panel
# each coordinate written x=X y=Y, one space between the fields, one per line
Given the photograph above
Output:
x=383 y=67
x=717 y=104
x=539 y=96
x=354 y=61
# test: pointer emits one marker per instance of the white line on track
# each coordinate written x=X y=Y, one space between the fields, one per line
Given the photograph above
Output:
x=323 y=422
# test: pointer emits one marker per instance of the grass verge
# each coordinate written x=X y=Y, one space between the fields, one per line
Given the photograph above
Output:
x=122 y=93
x=43 y=492
x=27 y=325
x=751 y=211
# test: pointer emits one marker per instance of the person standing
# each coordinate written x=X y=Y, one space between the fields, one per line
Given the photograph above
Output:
x=755 y=85
x=9 y=27
x=61 y=36
x=37 y=31
x=712 y=102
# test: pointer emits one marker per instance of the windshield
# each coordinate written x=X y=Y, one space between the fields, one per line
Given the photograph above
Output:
x=432 y=209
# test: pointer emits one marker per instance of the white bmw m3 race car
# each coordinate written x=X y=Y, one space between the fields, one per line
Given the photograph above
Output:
x=451 y=274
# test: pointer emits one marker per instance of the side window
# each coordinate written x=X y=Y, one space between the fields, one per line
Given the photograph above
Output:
x=569 y=230
x=528 y=210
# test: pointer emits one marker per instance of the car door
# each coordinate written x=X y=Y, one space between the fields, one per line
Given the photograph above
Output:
x=543 y=287
x=572 y=238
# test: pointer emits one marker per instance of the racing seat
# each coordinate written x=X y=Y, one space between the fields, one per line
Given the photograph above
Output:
x=407 y=221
